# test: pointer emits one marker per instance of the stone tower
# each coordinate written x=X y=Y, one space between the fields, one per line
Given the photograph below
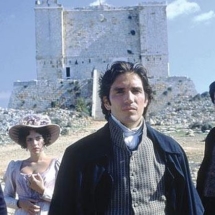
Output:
x=49 y=40
x=70 y=43
x=153 y=38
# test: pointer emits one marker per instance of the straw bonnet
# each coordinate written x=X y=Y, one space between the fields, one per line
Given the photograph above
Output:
x=35 y=121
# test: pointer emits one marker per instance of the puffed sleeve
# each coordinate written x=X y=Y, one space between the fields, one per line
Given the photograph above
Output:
x=49 y=189
x=10 y=186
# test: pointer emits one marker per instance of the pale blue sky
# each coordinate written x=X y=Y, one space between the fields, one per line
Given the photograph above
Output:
x=191 y=36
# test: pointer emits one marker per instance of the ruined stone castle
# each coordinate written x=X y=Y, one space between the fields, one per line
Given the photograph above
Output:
x=73 y=46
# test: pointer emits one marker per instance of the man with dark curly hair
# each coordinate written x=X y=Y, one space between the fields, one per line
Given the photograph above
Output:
x=126 y=167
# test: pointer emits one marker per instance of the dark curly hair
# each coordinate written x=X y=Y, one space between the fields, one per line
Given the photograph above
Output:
x=212 y=91
x=117 y=68
x=24 y=132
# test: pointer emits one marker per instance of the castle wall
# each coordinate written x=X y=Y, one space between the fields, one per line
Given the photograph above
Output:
x=95 y=38
x=99 y=38
x=169 y=90
x=72 y=43
x=80 y=40
x=40 y=95
x=153 y=39
x=49 y=42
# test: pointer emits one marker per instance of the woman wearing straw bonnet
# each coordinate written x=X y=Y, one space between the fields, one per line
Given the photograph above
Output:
x=29 y=183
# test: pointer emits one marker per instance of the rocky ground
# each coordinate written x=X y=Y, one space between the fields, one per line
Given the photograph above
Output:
x=194 y=147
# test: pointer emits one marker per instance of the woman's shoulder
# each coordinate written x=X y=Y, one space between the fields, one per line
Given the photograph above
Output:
x=14 y=163
x=12 y=167
x=55 y=162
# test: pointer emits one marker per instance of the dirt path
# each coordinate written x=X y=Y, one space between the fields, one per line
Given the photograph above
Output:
x=193 y=146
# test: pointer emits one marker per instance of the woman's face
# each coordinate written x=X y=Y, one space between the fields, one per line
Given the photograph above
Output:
x=34 y=142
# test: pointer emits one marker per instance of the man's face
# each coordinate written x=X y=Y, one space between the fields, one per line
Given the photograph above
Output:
x=127 y=99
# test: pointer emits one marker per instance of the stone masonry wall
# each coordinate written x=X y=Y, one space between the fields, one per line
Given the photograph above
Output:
x=49 y=42
x=153 y=39
x=39 y=95
x=72 y=43
x=95 y=37
x=169 y=90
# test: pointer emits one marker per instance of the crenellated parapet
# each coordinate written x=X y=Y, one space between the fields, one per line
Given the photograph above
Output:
x=46 y=3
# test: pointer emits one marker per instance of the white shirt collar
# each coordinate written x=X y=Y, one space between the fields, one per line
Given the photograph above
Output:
x=131 y=136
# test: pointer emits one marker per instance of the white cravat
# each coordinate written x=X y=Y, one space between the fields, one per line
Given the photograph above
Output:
x=131 y=136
